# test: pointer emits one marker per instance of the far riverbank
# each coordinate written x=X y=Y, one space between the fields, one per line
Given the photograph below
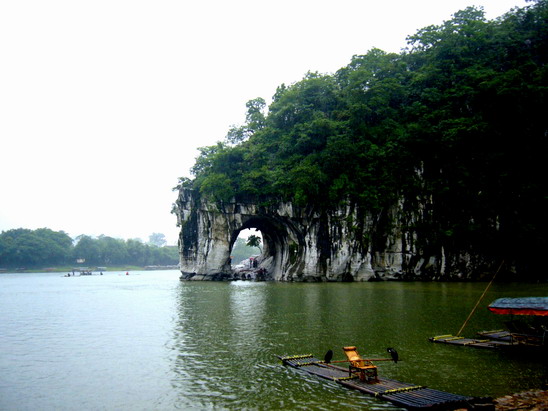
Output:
x=68 y=269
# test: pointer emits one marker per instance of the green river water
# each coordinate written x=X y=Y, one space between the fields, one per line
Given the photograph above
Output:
x=148 y=341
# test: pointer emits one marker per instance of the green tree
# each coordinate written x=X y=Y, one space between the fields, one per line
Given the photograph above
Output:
x=168 y=255
x=157 y=239
x=137 y=252
x=255 y=121
x=254 y=241
x=87 y=249
x=241 y=251
x=112 y=250
x=58 y=246
x=32 y=248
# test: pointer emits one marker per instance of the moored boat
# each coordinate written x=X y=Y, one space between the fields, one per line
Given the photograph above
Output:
x=528 y=334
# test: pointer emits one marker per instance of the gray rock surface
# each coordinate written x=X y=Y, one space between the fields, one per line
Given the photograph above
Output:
x=307 y=244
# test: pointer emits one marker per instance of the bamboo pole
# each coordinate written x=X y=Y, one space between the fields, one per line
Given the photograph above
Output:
x=365 y=359
x=483 y=295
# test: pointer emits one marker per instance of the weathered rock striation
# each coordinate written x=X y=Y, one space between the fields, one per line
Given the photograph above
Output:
x=308 y=244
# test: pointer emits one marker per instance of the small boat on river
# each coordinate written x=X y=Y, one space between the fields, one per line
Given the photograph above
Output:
x=361 y=374
x=520 y=334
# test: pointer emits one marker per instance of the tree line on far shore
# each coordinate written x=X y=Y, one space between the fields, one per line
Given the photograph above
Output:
x=47 y=248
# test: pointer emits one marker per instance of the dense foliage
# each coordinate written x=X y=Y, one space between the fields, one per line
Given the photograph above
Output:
x=457 y=120
x=46 y=248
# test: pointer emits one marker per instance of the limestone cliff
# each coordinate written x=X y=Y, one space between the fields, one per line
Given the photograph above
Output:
x=308 y=244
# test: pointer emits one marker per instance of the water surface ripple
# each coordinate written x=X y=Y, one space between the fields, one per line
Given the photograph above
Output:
x=148 y=341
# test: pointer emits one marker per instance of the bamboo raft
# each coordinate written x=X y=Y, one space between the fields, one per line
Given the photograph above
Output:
x=498 y=335
x=399 y=393
x=489 y=340
x=499 y=339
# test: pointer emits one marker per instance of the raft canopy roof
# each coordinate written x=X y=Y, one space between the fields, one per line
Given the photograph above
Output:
x=537 y=306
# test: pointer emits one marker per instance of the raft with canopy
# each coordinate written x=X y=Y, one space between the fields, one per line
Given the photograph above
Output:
x=519 y=334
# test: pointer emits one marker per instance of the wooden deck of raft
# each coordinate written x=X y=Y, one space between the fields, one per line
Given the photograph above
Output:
x=399 y=393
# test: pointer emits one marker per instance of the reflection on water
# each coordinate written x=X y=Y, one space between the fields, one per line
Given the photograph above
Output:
x=228 y=335
x=149 y=341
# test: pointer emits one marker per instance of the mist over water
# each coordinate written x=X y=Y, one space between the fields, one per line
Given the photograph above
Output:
x=148 y=341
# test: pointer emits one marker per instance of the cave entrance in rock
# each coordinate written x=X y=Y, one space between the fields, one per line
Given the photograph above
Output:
x=243 y=254
x=273 y=234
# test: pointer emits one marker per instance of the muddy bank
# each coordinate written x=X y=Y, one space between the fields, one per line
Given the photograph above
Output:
x=533 y=400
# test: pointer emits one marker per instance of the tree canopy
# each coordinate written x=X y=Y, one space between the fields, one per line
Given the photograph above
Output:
x=458 y=118
x=47 y=248
x=254 y=241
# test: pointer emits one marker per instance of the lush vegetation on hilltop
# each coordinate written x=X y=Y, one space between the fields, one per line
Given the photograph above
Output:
x=47 y=248
x=458 y=120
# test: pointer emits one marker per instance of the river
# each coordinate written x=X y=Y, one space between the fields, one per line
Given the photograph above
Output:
x=147 y=341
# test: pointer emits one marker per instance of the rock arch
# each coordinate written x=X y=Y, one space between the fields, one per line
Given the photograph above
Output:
x=299 y=243
x=209 y=230
x=280 y=239
x=306 y=244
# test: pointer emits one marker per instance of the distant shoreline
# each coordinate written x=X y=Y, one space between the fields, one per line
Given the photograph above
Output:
x=87 y=269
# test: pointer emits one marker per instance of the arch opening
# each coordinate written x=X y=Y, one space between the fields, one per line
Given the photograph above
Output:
x=279 y=245
x=247 y=248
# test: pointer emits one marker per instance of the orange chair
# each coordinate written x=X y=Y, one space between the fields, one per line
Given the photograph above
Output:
x=364 y=368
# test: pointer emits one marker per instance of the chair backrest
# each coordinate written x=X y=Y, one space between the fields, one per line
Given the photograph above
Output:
x=353 y=357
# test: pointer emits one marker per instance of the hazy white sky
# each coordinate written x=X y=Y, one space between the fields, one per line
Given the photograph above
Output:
x=103 y=103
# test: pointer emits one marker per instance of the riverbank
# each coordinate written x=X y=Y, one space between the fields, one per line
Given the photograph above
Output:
x=91 y=269
x=533 y=400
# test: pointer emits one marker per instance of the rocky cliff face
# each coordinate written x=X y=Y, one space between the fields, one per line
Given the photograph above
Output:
x=306 y=244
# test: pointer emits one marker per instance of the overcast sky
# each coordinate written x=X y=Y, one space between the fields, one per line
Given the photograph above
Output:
x=103 y=103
